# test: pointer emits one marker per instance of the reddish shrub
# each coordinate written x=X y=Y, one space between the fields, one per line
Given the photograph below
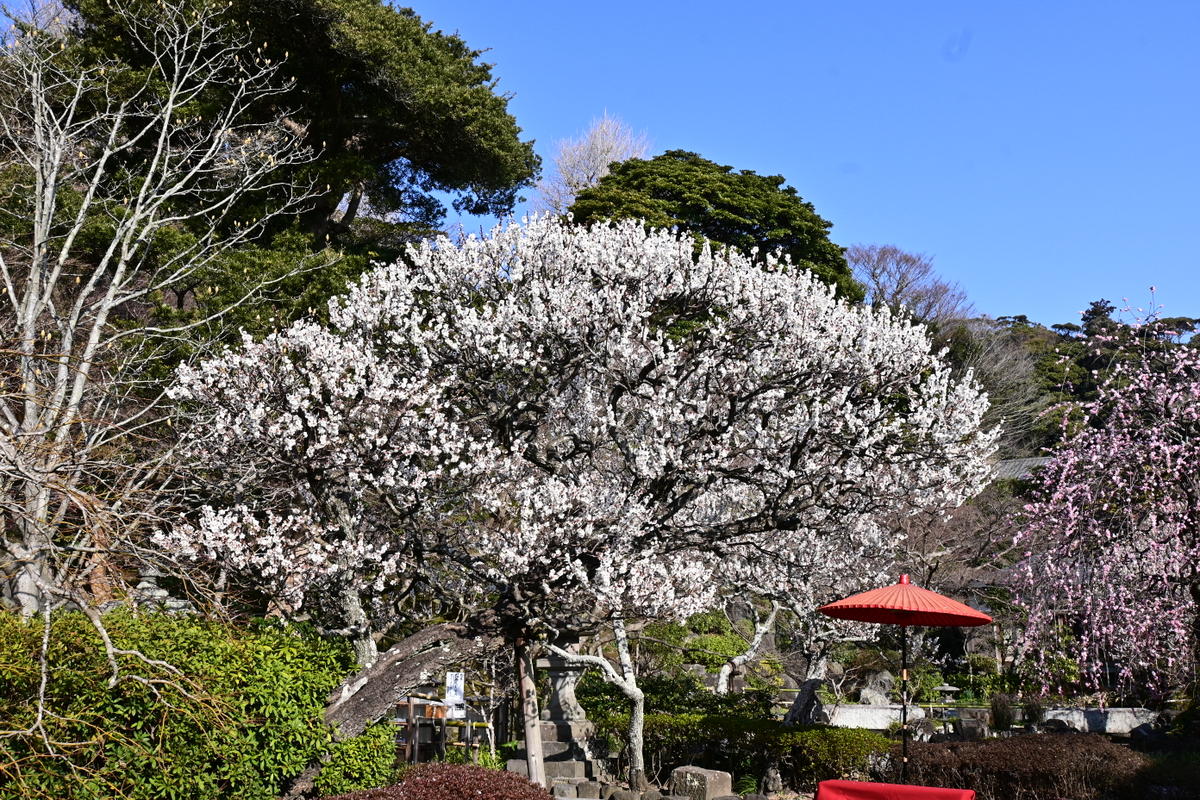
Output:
x=454 y=782
x=1030 y=767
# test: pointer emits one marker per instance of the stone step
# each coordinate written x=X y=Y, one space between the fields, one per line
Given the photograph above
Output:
x=558 y=751
x=568 y=769
x=560 y=771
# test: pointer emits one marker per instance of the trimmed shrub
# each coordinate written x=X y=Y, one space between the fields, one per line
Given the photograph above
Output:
x=365 y=761
x=1178 y=773
x=1003 y=713
x=454 y=782
x=1029 y=767
x=749 y=746
x=242 y=716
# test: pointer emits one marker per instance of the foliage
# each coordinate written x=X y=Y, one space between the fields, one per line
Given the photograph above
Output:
x=669 y=694
x=984 y=685
x=713 y=640
x=740 y=209
x=1033 y=710
x=1111 y=538
x=1179 y=771
x=516 y=382
x=454 y=782
x=240 y=717
x=365 y=761
x=396 y=111
x=749 y=745
x=1028 y=767
x=1003 y=712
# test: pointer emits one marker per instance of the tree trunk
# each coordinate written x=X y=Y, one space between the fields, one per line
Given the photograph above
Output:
x=529 y=713
x=806 y=703
x=637 y=727
x=372 y=694
x=1194 y=689
x=358 y=625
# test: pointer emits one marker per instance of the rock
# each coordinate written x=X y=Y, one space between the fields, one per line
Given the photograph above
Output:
x=564 y=790
x=695 y=783
x=518 y=765
x=883 y=682
x=1057 y=726
x=652 y=794
x=624 y=794
x=606 y=792
x=872 y=697
x=772 y=781
x=754 y=797
x=589 y=789
x=565 y=769
x=974 y=730
x=920 y=730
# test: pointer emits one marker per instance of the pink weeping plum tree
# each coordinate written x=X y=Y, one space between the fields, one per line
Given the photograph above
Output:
x=1111 y=539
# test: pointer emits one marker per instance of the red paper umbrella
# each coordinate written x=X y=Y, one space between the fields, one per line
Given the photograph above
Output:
x=904 y=604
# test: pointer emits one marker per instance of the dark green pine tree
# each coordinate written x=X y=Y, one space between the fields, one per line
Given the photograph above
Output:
x=739 y=208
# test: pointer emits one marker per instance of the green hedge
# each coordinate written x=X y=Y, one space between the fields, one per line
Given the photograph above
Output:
x=241 y=718
x=1058 y=766
x=749 y=746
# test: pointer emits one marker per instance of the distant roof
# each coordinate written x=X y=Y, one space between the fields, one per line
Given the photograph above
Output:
x=1017 y=467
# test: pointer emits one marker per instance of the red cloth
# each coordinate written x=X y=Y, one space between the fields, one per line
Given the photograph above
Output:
x=856 y=790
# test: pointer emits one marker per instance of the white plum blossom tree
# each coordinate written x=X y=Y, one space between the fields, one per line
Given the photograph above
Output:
x=572 y=426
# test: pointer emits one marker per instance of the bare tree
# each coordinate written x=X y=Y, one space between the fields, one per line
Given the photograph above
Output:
x=1004 y=365
x=898 y=279
x=124 y=188
x=581 y=163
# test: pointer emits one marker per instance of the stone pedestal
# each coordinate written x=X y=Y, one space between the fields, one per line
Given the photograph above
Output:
x=566 y=736
x=562 y=705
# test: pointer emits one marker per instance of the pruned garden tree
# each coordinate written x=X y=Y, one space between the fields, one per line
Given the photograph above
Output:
x=403 y=118
x=557 y=428
x=760 y=215
x=1111 y=575
x=121 y=186
x=580 y=163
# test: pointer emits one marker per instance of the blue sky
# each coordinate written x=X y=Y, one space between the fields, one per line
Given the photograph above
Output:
x=1045 y=153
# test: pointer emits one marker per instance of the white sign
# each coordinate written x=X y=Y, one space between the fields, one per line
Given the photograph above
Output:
x=455 y=694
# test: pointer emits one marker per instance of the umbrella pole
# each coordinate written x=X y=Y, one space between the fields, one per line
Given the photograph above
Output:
x=903 y=701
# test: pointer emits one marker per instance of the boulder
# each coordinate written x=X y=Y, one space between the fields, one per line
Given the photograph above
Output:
x=882 y=681
x=920 y=730
x=872 y=697
x=974 y=730
x=1058 y=726
x=695 y=783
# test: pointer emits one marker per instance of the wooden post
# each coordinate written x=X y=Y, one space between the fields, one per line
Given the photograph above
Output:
x=410 y=751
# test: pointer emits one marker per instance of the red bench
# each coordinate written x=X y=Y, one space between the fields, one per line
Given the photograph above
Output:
x=857 y=790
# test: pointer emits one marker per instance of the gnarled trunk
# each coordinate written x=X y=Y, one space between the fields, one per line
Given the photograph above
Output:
x=371 y=694
x=806 y=702
x=529 y=713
